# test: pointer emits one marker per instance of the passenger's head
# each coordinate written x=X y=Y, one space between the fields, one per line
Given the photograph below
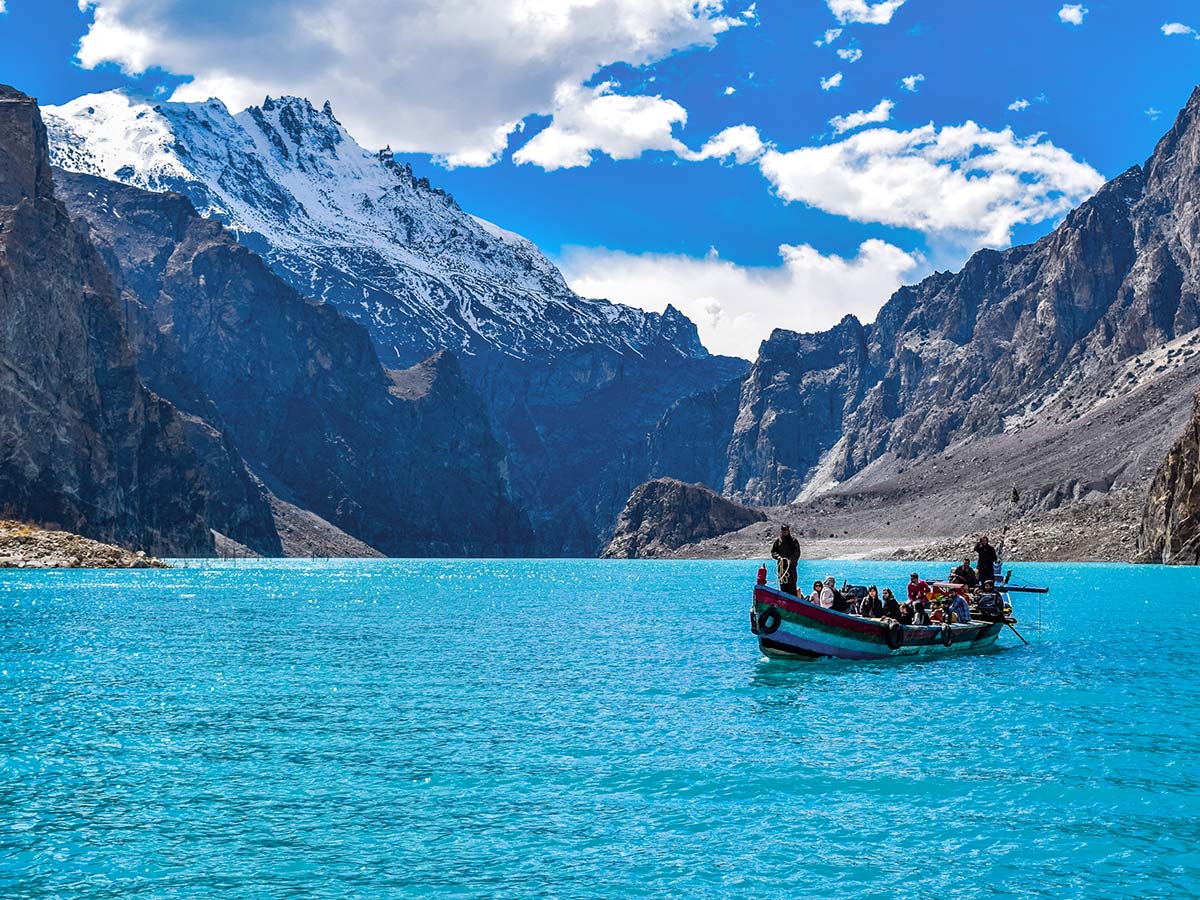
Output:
x=785 y=530
x=913 y=577
x=967 y=561
x=989 y=584
x=983 y=539
x=872 y=591
x=830 y=581
x=888 y=595
x=816 y=585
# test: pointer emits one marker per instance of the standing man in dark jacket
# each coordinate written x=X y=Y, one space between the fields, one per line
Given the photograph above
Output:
x=987 y=559
x=786 y=552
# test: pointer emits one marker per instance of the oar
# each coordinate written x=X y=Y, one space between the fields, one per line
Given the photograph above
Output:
x=1017 y=633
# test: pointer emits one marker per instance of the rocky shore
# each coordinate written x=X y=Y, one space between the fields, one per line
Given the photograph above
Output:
x=24 y=546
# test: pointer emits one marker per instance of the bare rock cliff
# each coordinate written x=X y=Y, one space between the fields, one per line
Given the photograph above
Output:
x=664 y=515
x=83 y=443
x=1170 y=530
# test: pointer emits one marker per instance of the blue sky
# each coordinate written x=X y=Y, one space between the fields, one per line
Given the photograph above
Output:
x=665 y=225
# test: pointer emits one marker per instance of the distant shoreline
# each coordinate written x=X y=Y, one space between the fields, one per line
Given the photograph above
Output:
x=26 y=546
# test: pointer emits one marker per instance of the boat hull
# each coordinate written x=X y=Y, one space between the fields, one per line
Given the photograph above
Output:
x=791 y=628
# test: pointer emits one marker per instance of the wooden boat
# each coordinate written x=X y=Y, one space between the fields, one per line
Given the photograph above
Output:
x=792 y=628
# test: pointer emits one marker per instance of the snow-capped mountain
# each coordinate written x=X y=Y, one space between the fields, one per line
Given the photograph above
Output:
x=353 y=227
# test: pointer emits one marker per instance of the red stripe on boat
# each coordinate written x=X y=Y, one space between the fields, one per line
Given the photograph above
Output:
x=820 y=614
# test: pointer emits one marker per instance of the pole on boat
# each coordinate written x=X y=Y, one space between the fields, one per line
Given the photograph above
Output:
x=1017 y=633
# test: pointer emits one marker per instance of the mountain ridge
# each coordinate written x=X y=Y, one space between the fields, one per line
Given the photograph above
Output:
x=572 y=386
x=1006 y=372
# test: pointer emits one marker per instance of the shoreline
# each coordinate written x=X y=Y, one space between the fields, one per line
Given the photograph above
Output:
x=26 y=546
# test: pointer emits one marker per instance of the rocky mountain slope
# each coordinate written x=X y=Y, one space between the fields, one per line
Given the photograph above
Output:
x=1170 y=523
x=1066 y=367
x=665 y=514
x=1039 y=333
x=83 y=443
x=571 y=385
x=25 y=546
x=404 y=461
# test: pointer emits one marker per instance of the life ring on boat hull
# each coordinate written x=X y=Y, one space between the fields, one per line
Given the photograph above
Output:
x=769 y=621
x=947 y=635
x=895 y=635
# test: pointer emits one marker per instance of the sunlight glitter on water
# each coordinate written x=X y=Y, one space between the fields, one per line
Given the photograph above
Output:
x=580 y=729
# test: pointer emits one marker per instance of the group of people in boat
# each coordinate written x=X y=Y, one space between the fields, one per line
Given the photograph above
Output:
x=926 y=604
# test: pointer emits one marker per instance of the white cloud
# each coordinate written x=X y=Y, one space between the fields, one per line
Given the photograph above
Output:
x=850 y=54
x=962 y=184
x=449 y=77
x=3 y=8
x=833 y=81
x=910 y=82
x=595 y=119
x=831 y=35
x=1072 y=13
x=735 y=307
x=1153 y=113
x=1019 y=105
x=864 y=11
x=881 y=112
x=1171 y=28
x=730 y=91
x=739 y=142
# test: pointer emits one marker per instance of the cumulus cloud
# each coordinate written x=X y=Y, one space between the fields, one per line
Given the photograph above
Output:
x=833 y=81
x=587 y=120
x=1072 y=13
x=1172 y=28
x=448 y=77
x=1153 y=113
x=850 y=54
x=735 y=307
x=910 y=82
x=962 y=184
x=1019 y=105
x=881 y=112
x=730 y=91
x=831 y=35
x=740 y=143
x=864 y=11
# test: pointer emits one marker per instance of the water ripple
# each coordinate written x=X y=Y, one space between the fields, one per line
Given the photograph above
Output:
x=579 y=729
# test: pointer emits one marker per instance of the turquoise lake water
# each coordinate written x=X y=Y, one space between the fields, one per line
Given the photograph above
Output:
x=581 y=729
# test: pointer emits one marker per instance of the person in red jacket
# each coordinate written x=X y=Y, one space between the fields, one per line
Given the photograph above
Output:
x=918 y=588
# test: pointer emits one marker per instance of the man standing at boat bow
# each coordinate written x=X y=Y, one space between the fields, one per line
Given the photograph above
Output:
x=786 y=553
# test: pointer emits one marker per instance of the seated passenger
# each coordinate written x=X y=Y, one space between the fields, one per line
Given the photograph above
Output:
x=871 y=606
x=891 y=609
x=827 y=592
x=989 y=603
x=937 y=617
x=906 y=614
x=918 y=587
x=964 y=574
x=958 y=606
x=815 y=596
x=920 y=616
